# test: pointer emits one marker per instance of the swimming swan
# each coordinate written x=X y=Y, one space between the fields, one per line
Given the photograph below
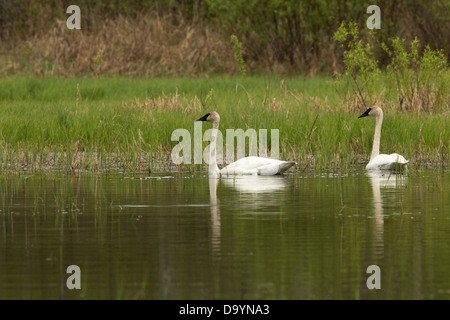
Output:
x=377 y=160
x=244 y=166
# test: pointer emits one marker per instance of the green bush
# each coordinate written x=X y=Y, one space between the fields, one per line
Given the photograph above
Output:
x=360 y=64
x=421 y=79
x=288 y=36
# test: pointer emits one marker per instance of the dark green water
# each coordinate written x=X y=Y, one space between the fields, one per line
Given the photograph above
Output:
x=188 y=237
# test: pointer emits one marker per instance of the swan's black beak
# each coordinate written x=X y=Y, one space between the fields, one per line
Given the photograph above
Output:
x=365 y=114
x=204 y=117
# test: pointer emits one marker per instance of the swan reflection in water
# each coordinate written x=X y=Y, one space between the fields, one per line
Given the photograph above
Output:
x=255 y=192
x=215 y=216
x=257 y=184
x=383 y=180
x=258 y=195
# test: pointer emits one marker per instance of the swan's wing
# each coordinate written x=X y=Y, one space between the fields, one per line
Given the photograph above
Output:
x=257 y=165
x=398 y=158
x=387 y=162
x=250 y=163
x=275 y=168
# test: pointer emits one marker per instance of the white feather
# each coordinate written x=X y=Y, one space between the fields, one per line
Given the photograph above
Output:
x=256 y=166
x=387 y=162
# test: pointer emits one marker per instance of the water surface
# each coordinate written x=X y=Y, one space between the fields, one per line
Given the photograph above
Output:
x=185 y=236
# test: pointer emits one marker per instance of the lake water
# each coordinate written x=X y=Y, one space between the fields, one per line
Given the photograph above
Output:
x=185 y=236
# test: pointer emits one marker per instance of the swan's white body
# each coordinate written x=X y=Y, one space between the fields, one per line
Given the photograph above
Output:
x=381 y=161
x=387 y=162
x=244 y=166
x=256 y=166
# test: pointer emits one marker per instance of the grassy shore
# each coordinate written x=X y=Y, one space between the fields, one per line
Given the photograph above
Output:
x=102 y=124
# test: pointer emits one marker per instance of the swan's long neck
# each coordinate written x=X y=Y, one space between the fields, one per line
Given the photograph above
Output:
x=213 y=169
x=376 y=138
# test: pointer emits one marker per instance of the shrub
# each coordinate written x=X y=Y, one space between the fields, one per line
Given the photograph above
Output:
x=421 y=79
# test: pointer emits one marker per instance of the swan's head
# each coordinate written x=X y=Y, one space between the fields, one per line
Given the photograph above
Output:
x=372 y=112
x=212 y=117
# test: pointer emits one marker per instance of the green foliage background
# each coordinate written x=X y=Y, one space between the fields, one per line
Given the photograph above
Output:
x=298 y=33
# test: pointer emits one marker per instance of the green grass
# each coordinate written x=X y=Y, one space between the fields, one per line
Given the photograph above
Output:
x=103 y=124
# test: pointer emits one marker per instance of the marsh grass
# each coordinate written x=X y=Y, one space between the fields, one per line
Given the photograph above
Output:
x=103 y=124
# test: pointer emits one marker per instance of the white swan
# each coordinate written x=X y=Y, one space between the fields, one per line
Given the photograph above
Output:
x=244 y=166
x=377 y=160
